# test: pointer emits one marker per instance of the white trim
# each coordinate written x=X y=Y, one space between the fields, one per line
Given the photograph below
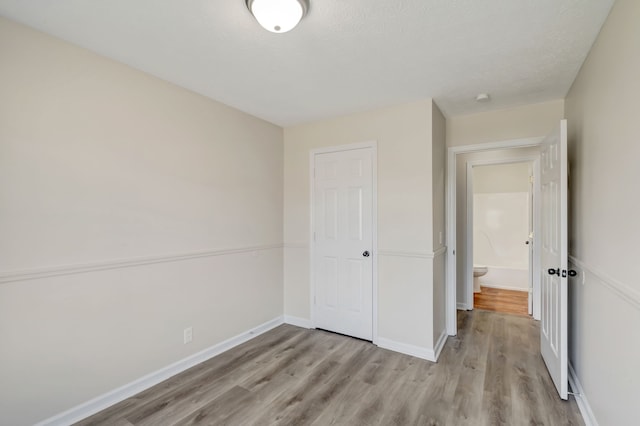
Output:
x=534 y=268
x=407 y=349
x=296 y=245
x=451 y=296
x=623 y=291
x=505 y=287
x=416 y=254
x=413 y=350
x=412 y=254
x=373 y=146
x=36 y=273
x=581 y=399
x=110 y=398
x=490 y=146
x=468 y=274
x=297 y=321
x=348 y=147
x=451 y=303
x=439 y=251
x=374 y=237
x=463 y=307
x=537 y=238
x=440 y=344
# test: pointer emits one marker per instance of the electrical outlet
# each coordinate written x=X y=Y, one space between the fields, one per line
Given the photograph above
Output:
x=188 y=335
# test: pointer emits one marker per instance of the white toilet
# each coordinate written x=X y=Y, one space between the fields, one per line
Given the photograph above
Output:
x=478 y=271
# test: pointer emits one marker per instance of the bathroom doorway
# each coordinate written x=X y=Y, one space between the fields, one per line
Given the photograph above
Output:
x=460 y=293
x=500 y=224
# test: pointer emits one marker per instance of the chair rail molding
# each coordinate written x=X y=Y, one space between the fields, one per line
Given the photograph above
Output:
x=625 y=292
x=415 y=254
x=53 y=271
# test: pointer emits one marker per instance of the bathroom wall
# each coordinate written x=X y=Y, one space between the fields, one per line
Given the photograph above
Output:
x=501 y=212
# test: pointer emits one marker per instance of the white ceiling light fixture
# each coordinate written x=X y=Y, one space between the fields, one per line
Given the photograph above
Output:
x=278 y=16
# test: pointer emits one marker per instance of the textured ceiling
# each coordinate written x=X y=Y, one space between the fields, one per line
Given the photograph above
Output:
x=345 y=56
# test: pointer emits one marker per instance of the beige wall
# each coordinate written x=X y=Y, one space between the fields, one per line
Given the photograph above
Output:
x=514 y=123
x=602 y=113
x=405 y=211
x=102 y=163
x=498 y=178
x=438 y=164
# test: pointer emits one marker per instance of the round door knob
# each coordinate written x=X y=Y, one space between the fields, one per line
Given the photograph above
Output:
x=366 y=254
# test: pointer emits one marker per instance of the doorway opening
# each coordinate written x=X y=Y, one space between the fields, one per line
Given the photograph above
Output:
x=460 y=163
x=550 y=242
x=500 y=229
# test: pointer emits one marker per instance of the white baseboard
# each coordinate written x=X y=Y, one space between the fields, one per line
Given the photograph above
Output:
x=581 y=399
x=110 y=398
x=297 y=321
x=504 y=287
x=407 y=349
x=440 y=344
x=463 y=307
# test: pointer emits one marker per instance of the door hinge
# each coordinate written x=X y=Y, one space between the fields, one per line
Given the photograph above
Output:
x=531 y=179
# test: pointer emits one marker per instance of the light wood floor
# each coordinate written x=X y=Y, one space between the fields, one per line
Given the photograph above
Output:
x=490 y=374
x=499 y=300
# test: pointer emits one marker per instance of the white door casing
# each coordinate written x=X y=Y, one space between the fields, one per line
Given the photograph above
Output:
x=451 y=275
x=553 y=326
x=534 y=206
x=343 y=243
x=530 y=241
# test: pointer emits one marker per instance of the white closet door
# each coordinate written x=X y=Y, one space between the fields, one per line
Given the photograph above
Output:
x=343 y=267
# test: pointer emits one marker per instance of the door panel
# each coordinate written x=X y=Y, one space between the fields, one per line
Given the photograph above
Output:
x=553 y=331
x=343 y=212
x=530 y=241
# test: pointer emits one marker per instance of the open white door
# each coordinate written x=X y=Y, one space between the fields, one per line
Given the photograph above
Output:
x=553 y=332
x=343 y=242
x=529 y=241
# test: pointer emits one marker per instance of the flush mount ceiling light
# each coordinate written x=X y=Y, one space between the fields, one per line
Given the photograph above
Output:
x=483 y=97
x=278 y=16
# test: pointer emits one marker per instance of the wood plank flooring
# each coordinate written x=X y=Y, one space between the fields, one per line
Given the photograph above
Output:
x=499 y=300
x=490 y=374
